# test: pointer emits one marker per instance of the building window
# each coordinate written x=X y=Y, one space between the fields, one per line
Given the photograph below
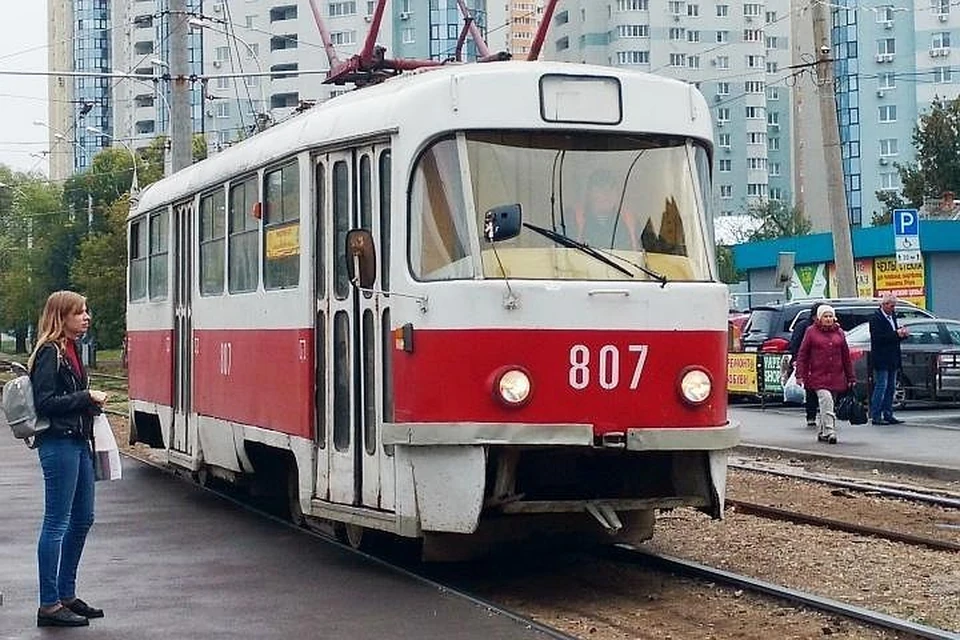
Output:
x=725 y=166
x=940 y=40
x=770 y=17
x=886 y=46
x=408 y=35
x=723 y=114
x=278 y=43
x=757 y=164
x=286 y=12
x=693 y=10
x=776 y=193
x=633 y=57
x=693 y=35
x=632 y=5
x=752 y=35
x=752 y=10
x=773 y=144
x=348 y=8
x=885 y=14
x=772 y=67
x=773 y=119
x=753 y=62
x=343 y=37
x=723 y=88
x=678 y=60
x=756 y=190
x=755 y=137
x=753 y=113
x=693 y=62
x=633 y=31
x=888 y=113
x=723 y=37
x=723 y=10
x=941 y=75
x=889 y=181
x=726 y=191
x=723 y=140
x=888 y=146
x=774 y=169
x=676 y=34
x=753 y=86
x=887 y=80
x=723 y=62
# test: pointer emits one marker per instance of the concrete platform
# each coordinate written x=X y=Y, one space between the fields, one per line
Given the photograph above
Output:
x=166 y=560
x=928 y=441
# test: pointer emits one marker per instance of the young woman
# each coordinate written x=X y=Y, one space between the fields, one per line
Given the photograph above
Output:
x=61 y=395
x=824 y=365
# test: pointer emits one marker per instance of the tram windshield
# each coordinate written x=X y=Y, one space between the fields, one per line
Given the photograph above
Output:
x=594 y=207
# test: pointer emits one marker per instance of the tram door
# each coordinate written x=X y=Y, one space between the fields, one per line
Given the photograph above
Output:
x=182 y=436
x=351 y=326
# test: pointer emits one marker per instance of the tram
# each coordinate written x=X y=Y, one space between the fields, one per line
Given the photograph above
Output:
x=396 y=308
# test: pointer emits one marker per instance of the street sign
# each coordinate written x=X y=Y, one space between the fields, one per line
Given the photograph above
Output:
x=906 y=236
x=909 y=257
x=906 y=222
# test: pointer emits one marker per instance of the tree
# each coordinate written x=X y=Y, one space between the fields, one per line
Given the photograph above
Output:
x=100 y=273
x=936 y=138
x=31 y=220
x=774 y=219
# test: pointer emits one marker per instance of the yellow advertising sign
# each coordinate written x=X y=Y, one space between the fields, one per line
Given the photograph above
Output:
x=905 y=281
x=742 y=373
x=863 y=272
x=283 y=242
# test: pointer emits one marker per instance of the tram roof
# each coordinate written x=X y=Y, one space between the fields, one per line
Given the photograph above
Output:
x=403 y=99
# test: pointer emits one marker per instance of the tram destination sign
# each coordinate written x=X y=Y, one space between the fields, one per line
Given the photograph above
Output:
x=906 y=236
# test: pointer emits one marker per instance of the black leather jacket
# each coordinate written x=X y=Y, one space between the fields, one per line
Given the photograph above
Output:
x=61 y=395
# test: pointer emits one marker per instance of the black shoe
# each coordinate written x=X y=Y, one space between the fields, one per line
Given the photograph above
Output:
x=880 y=421
x=832 y=440
x=81 y=608
x=892 y=420
x=62 y=617
x=822 y=438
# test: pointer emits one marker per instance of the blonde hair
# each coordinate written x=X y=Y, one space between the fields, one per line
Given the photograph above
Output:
x=59 y=305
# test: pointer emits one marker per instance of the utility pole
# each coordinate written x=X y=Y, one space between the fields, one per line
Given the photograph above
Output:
x=181 y=124
x=836 y=196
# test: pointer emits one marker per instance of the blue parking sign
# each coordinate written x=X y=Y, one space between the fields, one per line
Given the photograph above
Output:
x=906 y=222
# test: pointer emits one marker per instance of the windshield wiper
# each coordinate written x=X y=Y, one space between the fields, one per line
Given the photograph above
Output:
x=569 y=242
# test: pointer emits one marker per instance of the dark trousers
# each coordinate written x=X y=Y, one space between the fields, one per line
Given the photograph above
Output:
x=811 y=404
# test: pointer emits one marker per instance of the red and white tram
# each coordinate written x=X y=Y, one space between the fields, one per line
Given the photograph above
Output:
x=477 y=359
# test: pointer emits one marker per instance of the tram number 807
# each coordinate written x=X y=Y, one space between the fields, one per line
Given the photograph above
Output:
x=607 y=366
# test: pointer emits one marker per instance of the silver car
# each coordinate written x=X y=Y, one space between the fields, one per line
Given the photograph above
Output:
x=922 y=375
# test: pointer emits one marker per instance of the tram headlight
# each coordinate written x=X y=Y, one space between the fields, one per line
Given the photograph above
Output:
x=512 y=387
x=695 y=385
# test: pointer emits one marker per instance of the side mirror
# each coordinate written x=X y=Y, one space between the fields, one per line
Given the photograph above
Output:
x=502 y=223
x=361 y=258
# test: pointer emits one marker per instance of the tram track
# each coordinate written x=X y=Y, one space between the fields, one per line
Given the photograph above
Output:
x=877 y=619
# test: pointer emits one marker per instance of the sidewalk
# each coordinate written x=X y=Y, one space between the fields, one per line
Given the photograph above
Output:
x=167 y=560
x=926 y=439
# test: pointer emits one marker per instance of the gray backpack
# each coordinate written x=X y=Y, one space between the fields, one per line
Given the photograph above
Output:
x=17 y=405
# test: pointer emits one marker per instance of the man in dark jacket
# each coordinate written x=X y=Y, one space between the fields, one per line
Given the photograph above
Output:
x=885 y=337
x=811 y=403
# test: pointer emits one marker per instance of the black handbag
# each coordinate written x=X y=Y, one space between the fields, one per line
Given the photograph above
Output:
x=850 y=408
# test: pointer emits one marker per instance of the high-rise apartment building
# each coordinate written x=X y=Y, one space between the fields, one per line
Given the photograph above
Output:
x=729 y=50
x=251 y=63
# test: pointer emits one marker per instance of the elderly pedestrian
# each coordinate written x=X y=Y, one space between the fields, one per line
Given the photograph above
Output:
x=885 y=337
x=824 y=365
x=811 y=403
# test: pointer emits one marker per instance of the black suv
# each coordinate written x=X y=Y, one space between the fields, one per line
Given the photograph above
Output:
x=769 y=327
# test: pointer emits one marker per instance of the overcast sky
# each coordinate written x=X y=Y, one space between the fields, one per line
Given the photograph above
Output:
x=23 y=99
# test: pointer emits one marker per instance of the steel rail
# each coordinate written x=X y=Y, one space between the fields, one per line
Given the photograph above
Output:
x=866 y=487
x=775 y=513
x=820 y=603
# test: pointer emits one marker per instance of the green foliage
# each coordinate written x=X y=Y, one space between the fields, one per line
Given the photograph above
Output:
x=99 y=271
x=727 y=267
x=777 y=220
x=936 y=137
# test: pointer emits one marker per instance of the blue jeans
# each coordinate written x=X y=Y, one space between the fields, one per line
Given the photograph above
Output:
x=881 y=403
x=67 y=517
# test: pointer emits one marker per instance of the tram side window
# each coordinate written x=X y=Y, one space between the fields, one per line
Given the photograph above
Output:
x=244 y=248
x=159 y=242
x=385 y=220
x=212 y=237
x=138 y=260
x=281 y=228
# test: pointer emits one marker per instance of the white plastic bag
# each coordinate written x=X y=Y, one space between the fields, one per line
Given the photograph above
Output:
x=793 y=393
x=106 y=455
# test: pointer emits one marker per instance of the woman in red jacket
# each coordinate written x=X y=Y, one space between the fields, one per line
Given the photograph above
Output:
x=824 y=365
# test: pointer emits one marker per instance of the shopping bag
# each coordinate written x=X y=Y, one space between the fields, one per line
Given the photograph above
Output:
x=793 y=393
x=106 y=454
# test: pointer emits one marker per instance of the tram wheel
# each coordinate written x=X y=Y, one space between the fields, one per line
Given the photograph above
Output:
x=202 y=477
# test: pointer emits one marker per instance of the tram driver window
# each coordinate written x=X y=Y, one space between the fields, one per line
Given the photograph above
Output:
x=439 y=234
x=243 y=256
x=281 y=227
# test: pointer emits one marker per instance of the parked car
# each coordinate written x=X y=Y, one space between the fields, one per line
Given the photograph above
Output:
x=769 y=327
x=923 y=366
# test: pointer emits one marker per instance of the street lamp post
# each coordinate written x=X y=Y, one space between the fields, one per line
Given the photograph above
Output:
x=134 y=184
